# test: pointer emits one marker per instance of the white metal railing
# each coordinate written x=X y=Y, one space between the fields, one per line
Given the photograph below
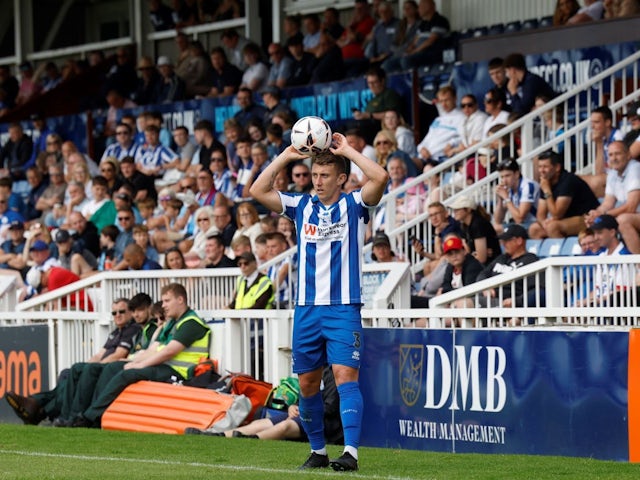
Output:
x=616 y=86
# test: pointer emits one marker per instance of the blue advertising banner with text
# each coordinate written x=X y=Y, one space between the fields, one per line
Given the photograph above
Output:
x=488 y=391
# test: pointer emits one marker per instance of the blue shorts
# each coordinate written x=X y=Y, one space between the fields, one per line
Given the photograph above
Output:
x=326 y=334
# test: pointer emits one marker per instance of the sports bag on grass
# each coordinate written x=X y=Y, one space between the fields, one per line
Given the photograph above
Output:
x=284 y=395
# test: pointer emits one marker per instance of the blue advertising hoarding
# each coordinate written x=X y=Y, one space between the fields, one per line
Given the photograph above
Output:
x=489 y=391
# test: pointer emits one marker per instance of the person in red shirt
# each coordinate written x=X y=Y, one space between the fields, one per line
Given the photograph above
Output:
x=58 y=277
x=353 y=38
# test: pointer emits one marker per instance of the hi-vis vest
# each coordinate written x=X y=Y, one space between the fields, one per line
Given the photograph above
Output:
x=247 y=298
x=192 y=354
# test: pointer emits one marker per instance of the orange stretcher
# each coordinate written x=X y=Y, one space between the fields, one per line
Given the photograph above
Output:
x=157 y=407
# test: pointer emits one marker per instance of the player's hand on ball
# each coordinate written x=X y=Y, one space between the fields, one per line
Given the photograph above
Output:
x=338 y=143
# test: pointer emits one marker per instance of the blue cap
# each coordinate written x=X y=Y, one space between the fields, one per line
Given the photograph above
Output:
x=39 y=246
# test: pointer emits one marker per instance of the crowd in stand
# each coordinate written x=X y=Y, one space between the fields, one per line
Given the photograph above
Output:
x=180 y=199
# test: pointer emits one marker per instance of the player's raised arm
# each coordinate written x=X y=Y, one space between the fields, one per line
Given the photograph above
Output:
x=373 y=189
x=262 y=189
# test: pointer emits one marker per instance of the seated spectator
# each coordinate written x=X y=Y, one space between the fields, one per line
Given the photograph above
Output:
x=330 y=64
x=101 y=211
x=381 y=249
x=275 y=139
x=153 y=158
x=256 y=74
x=281 y=66
x=56 y=277
x=141 y=238
x=302 y=63
x=233 y=45
x=521 y=292
x=301 y=175
x=226 y=77
x=30 y=87
x=331 y=22
x=272 y=99
x=384 y=98
x=80 y=173
x=174 y=259
x=592 y=10
x=248 y=221
x=53 y=195
x=117 y=101
x=610 y=282
x=565 y=10
x=207 y=143
x=312 y=27
x=405 y=137
x=254 y=289
x=427 y=43
x=197 y=73
x=38 y=184
x=387 y=148
x=16 y=153
x=631 y=138
x=76 y=202
x=523 y=86
x=72 y=256
x=352 y=39
x=516 y=197
x=204 y=228
x=248 y=109
x=134 y=258
x=478 y=233
x=223 y=180
x=383 y=35
x=173 y=88
x=619 y=9
x=471 y=128
x=462 y=267
x=283 y=283
x=11 y=250
x=578 y=279
x=149 y=83
x=564 y=200
x=126 y=221
x=445 y=129
x=214 y=253
x=109 y=168
x=494 y=104
x=107 y=257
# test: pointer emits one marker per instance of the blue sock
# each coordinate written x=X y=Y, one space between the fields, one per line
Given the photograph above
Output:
x=351 y=412
x=312 y=418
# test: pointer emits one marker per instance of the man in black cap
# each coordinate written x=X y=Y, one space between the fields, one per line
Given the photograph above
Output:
x=254 y=289
x=514 y=239
x=271 y=96
x=11 y=256
x=381 y=249
x=72 y=255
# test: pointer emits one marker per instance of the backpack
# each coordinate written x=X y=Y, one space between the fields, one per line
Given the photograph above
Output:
x=284 y=395
x=242 y=384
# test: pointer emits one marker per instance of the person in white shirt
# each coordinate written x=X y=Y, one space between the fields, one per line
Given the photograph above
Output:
x=445 y=129
x=494 y=102
x=472 y=127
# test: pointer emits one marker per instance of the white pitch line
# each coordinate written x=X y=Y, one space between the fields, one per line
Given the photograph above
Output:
x=194 y=464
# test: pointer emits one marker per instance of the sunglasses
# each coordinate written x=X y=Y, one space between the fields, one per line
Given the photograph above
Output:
x=217 y=159
x=118 y=312
x=122 y=133
x=297 y=175
x=106 y=169
x=124 y=219
x=202 y=220
x=383 y=142
x=240 y=264
x=467 y=105
x=489 y=100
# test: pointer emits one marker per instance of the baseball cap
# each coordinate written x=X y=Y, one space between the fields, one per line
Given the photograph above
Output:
x=164 y=60
x=272 y=89
x=633 y=110
x=39 y=246
x=605 y=221
x=16 y=225
x=514 y=231
x=463 y=201
x=61 y=236
x=248 y=256
x=452 y=243
x=381 y=239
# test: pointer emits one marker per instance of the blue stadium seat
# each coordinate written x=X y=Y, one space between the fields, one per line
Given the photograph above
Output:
x=530 y=24
x=512 y=27
x=545 y=22
x=496 y=29
x=570 y=247
x=533 y=245
x=551 y=247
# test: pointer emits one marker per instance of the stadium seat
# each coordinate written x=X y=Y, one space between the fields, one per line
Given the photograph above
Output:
x=533 y=245
x=551 y=247
x=570 y=247
x=545 y=22
x=512 y=27
x=496 y=29
x=530 y=24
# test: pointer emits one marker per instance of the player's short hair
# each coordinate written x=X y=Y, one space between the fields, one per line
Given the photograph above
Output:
x=343 y=165
x=176 y=290
x=140 y=301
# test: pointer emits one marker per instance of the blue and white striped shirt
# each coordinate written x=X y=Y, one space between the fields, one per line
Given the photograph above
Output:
x=116 y=150
x=330 y=241
x=152 y=157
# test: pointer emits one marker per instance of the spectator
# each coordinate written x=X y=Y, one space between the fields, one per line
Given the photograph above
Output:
x=302 y=63
x=226 y=77
x=602 y=134
x=271 y=97
x=387 y=148
x=301 y=174
x=203 y=134
x=254 y=289
x=233 y=45
x=134 y=258
x=197 y=77
x=126 y=221
x=174 y=259
x=173 y=87
x=564 y=199
x=592 y=10
x=53 y=195
x=142 y=185
x=76 y=202
x=142 y=239
x=471 y=128
x=462 y=268
x=631 y=139
x=149 y=85
x=479 y=235
x=621 y=8
x=223 y=180
x=246 y=172
x=39 y=136
x=222 y=221
x=11 y=250
x=523 y=86
x=72 y=256
x=330 y=64
x=205 y=228
x=248 y=109
x=405 y=137
x=160 y=16
x=282 y=282
x=30 y=87
x=331 y=23
x=292 y=28
x=312 y=26
x=116 y=101
x=565 y=10
x=516 y=197
x=122 y=76
x=518 y=293
x=384 y=98
x=445 y=129
x=214 y=253
x=185 y=149
x=85 y=233
x=107 y=257
x=256 y=74
x=247 y=221
x=15 y=154
x=494 y=106
x=381 y=249
x=124 y=146
x=281 y=66
x=184 y=13
x=383 y=35
x=38 y=185
x=153 y=158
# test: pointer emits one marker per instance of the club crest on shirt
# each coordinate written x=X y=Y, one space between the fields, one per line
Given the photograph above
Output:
x=323 y=233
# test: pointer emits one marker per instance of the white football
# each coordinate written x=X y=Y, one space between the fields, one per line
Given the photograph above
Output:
x=311 y=135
